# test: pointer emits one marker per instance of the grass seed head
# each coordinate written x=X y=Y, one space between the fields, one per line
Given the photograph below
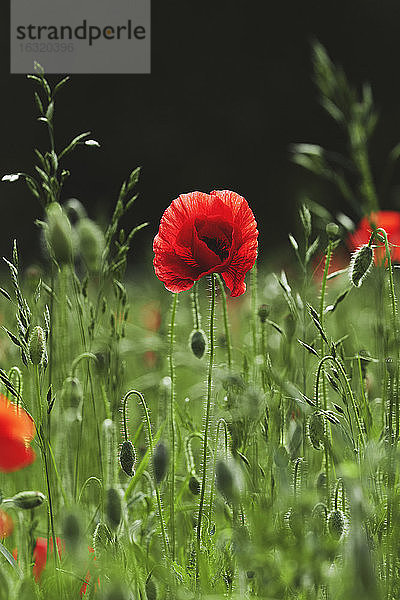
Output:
x=37 y=346
x=360 y=264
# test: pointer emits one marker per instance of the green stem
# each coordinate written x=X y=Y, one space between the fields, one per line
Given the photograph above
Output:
x=172 y=423
x=226 y=320
x=221 y=421
x=206 y=425
x=253 y=284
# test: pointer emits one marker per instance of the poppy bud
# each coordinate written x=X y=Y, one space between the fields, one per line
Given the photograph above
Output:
x=72 y=392
x=91 y=243
x=360 y=264
x=127 y=458
x=71 y=530
x=151 y=590
x=321 y=484
x=27 y=500
x=102 y=538
x=281 y=457
x=194 y=485
x=336 y=523
x=226 y=480
x=113 y=507
x=332 y=231
x=263 y=312
x=318 y=520
x=58 y=234
x=160 y=461
x=198 y=342
x=316 y=431
x=37 y=346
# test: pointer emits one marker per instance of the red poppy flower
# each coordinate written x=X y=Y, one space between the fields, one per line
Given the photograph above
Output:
x=17 y=430
x=389 y=220
x=202 y=234
x=6 y=524
x=40 y=554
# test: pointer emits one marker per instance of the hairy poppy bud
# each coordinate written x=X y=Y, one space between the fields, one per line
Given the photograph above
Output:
x=360 y=264
x=198 y=342
x=194 y=485
x=27 y=500
x=316 y=432
x=127 y=458
x=332 y=231
x=281 y=457
x=37 y=346
x=321 y=484
x=102 y=539
x=160 y=461
x=71 y=530
x=91 y=243
x=113 y=507
x=226 y=480
x=72 y=392
x=151 y=589
x=263 y=312
x=336 y=523
x=58 y=234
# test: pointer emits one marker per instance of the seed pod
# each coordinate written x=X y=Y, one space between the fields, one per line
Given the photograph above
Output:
x=58 y=234
x=263 y=312
x=198 y=342
x=72 y=392
x=226 y=480
x=27 y=500
x=71 y=530
x=321 y=484
x=336 y=523
x=151 y=589
x=113 y=507
x=37 y=346
x=91 y=243
x=160 y=462
x=316 y=431
x=360 y=264
x=194 y=485
x=127 y=458
x=281 y=457
x=332 y=231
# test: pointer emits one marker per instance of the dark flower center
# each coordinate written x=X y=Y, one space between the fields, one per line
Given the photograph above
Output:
x=218 y=246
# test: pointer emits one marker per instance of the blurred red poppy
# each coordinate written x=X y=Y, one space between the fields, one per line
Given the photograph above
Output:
x=17 y=430
x=40 y=554
x=389 y=220
x=87 y=578
x=201 y=234
x=6 y=524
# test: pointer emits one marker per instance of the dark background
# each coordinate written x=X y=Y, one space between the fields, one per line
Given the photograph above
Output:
x=231 y=87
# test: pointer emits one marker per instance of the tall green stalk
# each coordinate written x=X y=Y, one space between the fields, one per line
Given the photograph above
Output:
x=206 y=425
x=172 y=424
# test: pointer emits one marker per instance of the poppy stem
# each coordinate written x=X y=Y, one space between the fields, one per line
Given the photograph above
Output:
x=150 y=436
x=172 y=423
x=253 y=284
x=206 y=425
x=226 y=321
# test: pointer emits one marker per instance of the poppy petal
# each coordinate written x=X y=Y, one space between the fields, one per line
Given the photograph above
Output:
x=14 y=454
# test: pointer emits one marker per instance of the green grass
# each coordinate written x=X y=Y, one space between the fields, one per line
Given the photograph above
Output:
x=288 y=490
